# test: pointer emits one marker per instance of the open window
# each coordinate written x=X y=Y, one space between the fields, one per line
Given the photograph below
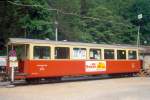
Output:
x=41 y=52
x=121 y=54
x=109 y=54
x=132 y=54
x=95 y=54
x=62 y=53
x=79 y=53
x=22 y=50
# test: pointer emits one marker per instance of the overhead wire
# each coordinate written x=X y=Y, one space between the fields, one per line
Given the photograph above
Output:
x=66 y=13
x=52 y=9
x=63 y=12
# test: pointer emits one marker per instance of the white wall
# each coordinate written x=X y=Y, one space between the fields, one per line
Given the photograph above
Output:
x=146 y=62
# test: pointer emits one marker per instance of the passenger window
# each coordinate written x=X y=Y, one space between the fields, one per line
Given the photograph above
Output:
x=41 y=52
x=79 y=53
x=95 y=54
x=132 y=54
x=121 y=54
x=109 y=54
x=62 y=53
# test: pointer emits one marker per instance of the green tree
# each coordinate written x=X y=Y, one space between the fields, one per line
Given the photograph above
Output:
x=108 y=21
x=36 y=22
x=140 y=7
x=69 y=23
x=110 y=27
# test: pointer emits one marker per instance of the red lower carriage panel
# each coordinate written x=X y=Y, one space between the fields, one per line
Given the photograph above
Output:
x=54 y=68
x=123 y=66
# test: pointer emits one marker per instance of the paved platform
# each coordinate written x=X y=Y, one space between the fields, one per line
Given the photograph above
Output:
x=135 y=88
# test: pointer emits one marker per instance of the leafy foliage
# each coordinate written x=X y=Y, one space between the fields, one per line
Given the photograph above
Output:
x=116 y=20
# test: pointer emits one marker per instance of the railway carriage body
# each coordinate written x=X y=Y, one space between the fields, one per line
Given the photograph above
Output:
x=45 y=59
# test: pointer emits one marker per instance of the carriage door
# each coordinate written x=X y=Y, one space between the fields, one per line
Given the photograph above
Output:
x=41 y=56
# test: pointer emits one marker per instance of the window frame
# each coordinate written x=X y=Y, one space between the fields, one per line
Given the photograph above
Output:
x=50 y=54
x=114 y=58
x=100 y=49
x=136 y=54
x=61 y=46
x=125 y=53
x=86 y=57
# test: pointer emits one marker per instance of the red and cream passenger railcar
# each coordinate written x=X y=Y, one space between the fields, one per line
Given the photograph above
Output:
x=47 y=59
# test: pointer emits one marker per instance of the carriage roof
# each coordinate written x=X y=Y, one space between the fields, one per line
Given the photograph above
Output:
x=38 y=41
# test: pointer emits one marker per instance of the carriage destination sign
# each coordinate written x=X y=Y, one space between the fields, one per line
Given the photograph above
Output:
x=94 y=66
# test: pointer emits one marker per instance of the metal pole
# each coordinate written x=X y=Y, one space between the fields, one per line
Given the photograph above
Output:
x=12 y=74
x=12 y=70
x=25 y=34
x=56 y=33
x=140 y=16
x=56 y=27
x=138 y=37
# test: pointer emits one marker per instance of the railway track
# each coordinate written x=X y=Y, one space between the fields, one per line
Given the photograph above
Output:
x=7 y=83
x=142 y=73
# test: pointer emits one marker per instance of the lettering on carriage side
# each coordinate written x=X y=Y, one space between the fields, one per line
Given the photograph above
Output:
x=95 y=66
x=42 y=67
x=34 y=73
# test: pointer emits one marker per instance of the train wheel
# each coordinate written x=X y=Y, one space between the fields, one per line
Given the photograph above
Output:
x=58 y=78
x=28 y=81
x=130 y=74
x=114 y=75
x=33 y=81
x=54 y=79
